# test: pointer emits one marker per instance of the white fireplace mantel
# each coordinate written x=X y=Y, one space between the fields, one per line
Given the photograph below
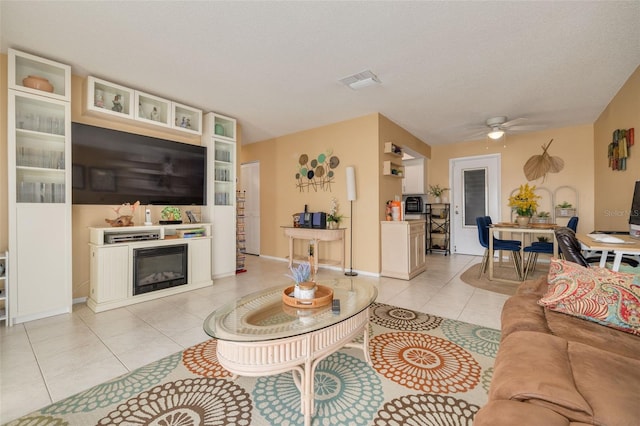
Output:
x=111 y=264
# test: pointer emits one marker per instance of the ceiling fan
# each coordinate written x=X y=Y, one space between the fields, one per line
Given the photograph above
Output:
x=496 y=127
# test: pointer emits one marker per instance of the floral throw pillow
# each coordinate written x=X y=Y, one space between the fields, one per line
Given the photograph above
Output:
x=596 y=294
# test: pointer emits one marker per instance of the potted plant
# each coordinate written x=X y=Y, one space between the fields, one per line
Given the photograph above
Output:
x=334 y=218
x=565 y=209
x=171 y=214
x=542 y=217
x=436 y=192
x=525 y=203
x=304 y=288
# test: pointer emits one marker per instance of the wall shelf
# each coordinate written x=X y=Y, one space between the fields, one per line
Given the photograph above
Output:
x=393 y=149
x=392 y=169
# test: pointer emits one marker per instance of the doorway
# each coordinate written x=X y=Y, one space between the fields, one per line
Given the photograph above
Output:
x=475 y=191
x=250 y=184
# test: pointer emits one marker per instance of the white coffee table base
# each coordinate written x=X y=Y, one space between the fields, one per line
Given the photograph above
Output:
x=299 y=354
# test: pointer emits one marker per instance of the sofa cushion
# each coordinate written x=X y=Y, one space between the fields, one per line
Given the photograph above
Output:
x=593 y=334
x=522 y=313
x=610 y=383
x=596 y=294
x=537 y=286
x=535 y=368
x=510 y=413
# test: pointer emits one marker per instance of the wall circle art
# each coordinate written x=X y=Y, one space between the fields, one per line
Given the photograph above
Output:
x=316 y=173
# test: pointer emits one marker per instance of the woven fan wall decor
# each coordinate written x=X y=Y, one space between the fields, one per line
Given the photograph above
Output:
x=539 y=165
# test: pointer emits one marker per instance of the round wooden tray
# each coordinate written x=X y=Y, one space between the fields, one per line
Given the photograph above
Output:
x=543 y=225
x=324 y=296
x=506 y=225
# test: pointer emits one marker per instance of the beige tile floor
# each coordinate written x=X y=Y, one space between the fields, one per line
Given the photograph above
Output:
x=47 y=360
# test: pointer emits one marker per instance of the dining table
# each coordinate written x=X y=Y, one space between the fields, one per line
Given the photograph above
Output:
x=618 y=244
x=522 y=233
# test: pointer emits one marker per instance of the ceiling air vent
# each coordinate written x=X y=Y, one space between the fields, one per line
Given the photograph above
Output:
x=360 y=80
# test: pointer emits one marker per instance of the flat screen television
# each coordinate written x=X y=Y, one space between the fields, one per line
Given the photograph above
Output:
x=114 y=167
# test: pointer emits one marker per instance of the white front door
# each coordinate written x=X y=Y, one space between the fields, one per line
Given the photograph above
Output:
x=475 y=191
x=250 y=183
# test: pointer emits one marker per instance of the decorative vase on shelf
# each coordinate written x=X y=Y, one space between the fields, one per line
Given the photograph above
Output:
x=523 y=220
x=38 y=83
x=436 y=200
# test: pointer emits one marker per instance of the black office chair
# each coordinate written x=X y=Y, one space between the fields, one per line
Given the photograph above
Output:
x=570 y=246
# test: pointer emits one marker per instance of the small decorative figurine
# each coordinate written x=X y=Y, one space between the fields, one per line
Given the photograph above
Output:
x=123 y=220
x=99 y=98
x=188 y=126
x=184 y=122
x=140 y=110
x=154 y=114
x=117 y=106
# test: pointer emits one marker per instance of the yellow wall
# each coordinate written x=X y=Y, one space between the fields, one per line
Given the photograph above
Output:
x=574 y=145
x=358 y=142
x=614 y=189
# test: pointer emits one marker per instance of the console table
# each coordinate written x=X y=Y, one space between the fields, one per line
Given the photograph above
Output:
x=314 y=235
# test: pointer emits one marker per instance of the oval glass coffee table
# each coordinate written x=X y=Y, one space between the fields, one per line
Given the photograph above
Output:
x=260 y=335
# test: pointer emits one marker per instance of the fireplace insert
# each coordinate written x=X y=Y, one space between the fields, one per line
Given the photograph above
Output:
x=157 y=268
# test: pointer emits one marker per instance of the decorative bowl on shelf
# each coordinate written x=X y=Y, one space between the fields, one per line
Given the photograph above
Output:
x=38 y=83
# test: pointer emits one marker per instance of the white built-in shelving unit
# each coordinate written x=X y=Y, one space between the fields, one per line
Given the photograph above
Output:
x=4 y=289
x=219 y=136
x=104 y=98
x=39 y=160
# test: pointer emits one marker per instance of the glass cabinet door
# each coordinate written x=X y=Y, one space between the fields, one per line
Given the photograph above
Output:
x=224 y=170
x=39 y=130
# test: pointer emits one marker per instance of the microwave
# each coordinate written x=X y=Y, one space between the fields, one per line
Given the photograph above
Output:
x=413 y=205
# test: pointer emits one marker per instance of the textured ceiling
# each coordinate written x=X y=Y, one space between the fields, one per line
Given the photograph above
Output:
x=445 y=67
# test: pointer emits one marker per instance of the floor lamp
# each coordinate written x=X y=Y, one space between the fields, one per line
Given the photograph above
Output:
x=351 y=196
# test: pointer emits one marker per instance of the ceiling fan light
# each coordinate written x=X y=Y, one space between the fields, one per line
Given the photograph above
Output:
x=495 y=134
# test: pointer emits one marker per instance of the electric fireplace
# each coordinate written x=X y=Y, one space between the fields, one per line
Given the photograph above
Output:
x=157 y=268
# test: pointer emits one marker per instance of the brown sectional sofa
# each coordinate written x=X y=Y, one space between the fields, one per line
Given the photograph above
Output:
x=555 y=369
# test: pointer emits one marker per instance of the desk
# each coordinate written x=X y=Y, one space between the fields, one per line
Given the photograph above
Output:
x=315 y=235
x=258 y=335
x=629 y=246
x=523 y=231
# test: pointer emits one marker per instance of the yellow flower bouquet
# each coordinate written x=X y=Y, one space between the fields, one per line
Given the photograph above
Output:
x=525 y=202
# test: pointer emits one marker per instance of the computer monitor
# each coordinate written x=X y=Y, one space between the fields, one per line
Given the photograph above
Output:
x=634 y=213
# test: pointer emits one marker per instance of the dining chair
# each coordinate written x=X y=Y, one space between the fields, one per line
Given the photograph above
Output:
x=489 y=222
x=542 y=247
x=532 y=252
x=498 y=245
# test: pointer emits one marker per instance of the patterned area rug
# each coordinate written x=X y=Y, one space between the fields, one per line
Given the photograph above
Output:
x=425 y=370
x=472 y=277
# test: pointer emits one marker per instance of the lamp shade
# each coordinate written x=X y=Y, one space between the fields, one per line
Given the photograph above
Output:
x=351 y=183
